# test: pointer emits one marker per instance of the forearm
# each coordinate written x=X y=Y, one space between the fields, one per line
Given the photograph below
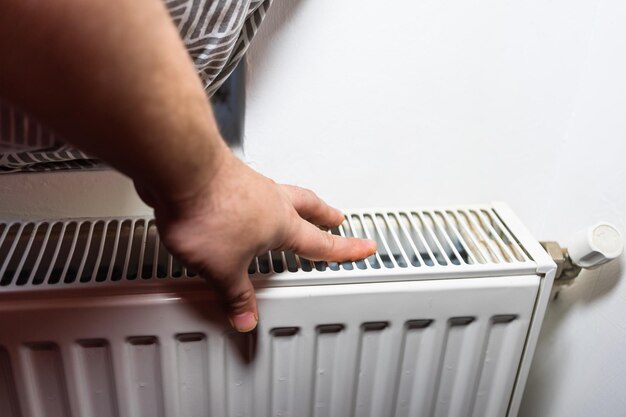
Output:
x=113 y=78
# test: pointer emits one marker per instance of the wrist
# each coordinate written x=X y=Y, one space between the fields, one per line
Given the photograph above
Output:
x=187 y=184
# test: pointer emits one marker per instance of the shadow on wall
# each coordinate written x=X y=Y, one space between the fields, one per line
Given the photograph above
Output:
x=229 y=107
x=278 y=15
x=591 y=287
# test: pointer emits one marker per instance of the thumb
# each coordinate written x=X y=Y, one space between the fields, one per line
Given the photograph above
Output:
x=314 y=244
x=239 y=299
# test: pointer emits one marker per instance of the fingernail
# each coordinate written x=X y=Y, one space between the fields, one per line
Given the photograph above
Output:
x=244 y=322
x=372 y=246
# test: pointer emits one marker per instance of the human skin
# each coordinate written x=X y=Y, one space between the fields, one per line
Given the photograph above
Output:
x=113 y=78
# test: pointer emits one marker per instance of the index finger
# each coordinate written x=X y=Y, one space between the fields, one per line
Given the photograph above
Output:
x=312 y=208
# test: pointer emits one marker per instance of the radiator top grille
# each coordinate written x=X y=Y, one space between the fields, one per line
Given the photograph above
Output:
x=62 y=252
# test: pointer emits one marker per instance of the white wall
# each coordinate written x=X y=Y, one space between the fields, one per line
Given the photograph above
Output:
x=68 y=194
x=435 y=102
x=428 y=102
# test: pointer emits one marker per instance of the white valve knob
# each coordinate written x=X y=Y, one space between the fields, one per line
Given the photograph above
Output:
x=595 y=246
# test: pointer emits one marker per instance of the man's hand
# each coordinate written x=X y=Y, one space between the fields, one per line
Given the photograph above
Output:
x=114 y=79
x=239 y=214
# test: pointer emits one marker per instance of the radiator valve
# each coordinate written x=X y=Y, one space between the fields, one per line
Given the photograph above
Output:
x=587 y=249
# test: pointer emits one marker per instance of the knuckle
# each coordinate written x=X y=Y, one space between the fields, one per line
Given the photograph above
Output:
x=292 y=243
x=329 y=243
x=308 y=195
x=240 y=301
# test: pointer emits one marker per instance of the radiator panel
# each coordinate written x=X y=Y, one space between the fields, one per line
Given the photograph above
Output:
x=98 y=319
x=414 y=348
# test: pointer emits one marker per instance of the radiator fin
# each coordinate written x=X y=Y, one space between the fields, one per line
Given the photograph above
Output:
x=326 y=386
x=503 y=347
x=97 y=378
x=8 y=394
x=420 y=355
x=371 y=378
x=48 y=379
x=459 y=365
x=82 y=251
x=193 y=374
x=239 y=375
x=284 y=346
x=146 y=376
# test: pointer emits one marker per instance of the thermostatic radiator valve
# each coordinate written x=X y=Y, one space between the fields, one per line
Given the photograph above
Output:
x=587 y=249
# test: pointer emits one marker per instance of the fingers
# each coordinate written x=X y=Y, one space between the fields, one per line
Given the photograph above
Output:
x=240 y=300
x=312 y=243
x=312 y=208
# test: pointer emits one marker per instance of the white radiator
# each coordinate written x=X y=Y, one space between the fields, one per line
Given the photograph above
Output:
x=98 y=320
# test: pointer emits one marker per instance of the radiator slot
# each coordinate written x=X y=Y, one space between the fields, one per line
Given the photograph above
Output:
x=502 y=232
x=264 y=263
x=60 y=255
x=292 y=262
x=385 y=247
x=278 y=262
x=472 y=242
x=93 y=253
x=150 y=255
x=417 y=239
x=103 y=264
x=51 y=245
x=445 y=240
x=356 y=224
x=347 y=230
x=78 y=251
x=137 y=250
x=407 y=246
x=307 y=265
x=12 y=250
x=120 y=250
x=31 y=256
x=419 y=222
